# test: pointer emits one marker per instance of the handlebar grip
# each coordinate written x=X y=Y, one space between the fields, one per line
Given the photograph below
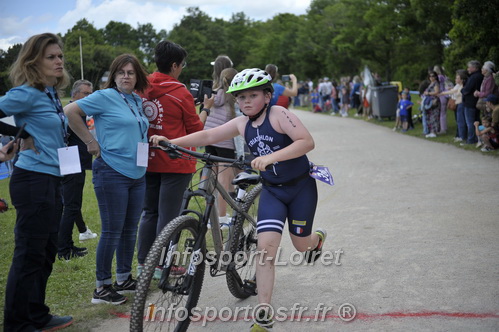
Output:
x=165 y=144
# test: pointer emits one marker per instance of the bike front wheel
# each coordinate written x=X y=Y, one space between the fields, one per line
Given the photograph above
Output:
x=241 y=280
x=166 y=305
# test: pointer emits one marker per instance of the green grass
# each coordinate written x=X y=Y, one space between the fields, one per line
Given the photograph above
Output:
x=447 y=138
x=71 y=283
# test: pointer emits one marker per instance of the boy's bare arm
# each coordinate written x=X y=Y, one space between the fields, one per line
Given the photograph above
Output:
x=211 y=136
x=288 y=123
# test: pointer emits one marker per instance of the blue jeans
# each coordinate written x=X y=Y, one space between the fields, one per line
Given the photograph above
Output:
x=120 y=201
x=336 y=107
x=470 y=117
x=424 y=121
x=461 y=123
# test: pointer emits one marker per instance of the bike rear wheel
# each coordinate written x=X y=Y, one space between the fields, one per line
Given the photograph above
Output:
x=243 y=247
x=166 y=305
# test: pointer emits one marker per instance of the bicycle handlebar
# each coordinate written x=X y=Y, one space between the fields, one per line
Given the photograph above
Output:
x=178 y=150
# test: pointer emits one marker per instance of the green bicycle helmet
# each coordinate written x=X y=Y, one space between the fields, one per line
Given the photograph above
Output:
x=251 y=79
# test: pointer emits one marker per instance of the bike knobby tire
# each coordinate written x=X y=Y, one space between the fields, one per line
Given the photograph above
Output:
x=168 y=308
x=243 y=247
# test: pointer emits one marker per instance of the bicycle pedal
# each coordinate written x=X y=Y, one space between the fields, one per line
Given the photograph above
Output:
x=249 y=287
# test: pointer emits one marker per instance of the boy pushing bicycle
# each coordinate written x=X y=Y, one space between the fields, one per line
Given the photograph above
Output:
x=279 y=142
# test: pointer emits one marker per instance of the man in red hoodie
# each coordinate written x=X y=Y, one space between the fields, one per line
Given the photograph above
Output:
x=171 y=111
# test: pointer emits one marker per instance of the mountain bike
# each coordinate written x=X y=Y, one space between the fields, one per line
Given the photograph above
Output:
x=167 y=305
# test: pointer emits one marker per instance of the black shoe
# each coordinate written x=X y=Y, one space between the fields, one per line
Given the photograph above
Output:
x=57 y=323
x=71 y=254
x=108 y=295
x=82 y=249
x=127 y=287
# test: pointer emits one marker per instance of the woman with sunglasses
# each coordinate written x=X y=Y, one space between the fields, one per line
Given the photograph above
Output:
x=433 y=113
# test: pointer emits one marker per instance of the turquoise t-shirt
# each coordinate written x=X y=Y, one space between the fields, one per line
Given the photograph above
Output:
x=118 y=129
x=34 y=108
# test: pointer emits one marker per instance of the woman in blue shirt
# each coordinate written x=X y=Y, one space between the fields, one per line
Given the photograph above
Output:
x=118 y=170
x=280 y=90
x=36 y=75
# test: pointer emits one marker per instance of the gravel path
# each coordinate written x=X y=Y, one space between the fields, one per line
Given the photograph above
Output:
x=417 y=223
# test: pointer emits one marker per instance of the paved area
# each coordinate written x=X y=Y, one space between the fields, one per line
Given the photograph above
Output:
x=418 y=226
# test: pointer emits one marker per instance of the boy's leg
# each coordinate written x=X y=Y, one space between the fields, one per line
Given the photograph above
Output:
x=268 y=243
x=305 y=243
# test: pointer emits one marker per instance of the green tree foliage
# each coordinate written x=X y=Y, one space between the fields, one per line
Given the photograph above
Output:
x=6 y=60
x=203 y=39
x=474 y=33
x=399 y=39
x=148 y=39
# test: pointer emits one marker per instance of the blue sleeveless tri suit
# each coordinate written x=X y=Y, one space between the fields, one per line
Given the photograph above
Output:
x=288 y=190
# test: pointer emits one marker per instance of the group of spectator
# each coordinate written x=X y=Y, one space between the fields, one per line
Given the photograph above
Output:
x=131 y=182
x=331 y=97
x=472 y=96
x=122 y=158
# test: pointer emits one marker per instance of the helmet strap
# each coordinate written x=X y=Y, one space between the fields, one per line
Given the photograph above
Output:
x=257 y=115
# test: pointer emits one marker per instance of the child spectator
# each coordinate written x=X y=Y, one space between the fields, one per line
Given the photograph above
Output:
x=403 y=109
x=314 y=98
x=492 y=108
x=410 y=124
x=488 y=135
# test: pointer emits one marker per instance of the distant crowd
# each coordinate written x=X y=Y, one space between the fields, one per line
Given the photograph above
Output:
x=473 y=97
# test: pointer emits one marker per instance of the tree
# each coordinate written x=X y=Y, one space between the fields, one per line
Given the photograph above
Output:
x=202 y=38
x=7 y=58
x=473 y=34
x=239 y=38
x=148 y=39
x=97 y=55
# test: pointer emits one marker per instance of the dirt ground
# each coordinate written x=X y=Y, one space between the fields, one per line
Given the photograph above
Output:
x=413 y=227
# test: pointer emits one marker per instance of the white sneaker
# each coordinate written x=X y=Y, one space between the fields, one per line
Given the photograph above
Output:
x=431 y=135
x=225 y=222
x=87 y=235
x=458 y=139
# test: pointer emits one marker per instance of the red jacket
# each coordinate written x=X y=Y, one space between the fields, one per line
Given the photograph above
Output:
x=169 y=106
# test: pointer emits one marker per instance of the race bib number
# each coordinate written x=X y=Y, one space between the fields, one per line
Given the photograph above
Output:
x=322 y=173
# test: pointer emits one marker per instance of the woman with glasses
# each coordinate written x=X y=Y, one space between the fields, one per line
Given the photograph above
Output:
x=118 y=171
x=433 y=112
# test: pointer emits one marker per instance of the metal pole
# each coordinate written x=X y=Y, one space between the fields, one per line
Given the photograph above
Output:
x=81 y=59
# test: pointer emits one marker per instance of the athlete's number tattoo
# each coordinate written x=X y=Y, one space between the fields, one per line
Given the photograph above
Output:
x=289 y=119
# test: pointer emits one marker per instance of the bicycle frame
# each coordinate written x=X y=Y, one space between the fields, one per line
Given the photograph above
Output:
x=207 y=188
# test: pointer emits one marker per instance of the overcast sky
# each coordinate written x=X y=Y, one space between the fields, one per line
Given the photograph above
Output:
x=20 y=19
